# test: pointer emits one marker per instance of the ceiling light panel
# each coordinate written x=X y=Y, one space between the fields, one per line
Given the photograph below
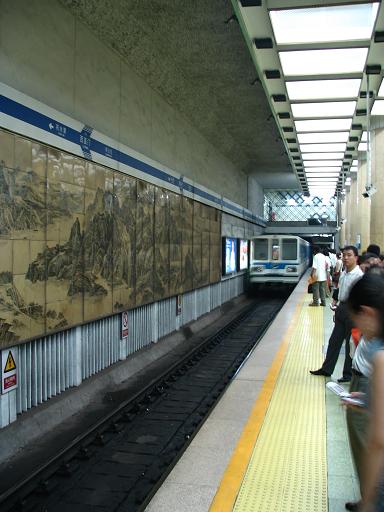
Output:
x=323 y=89
x=381 y=90
x=307 y=138
x=311 y=148
x=322 y=24
x=323 y=156
x=354 y=163
x=378 y=108
x=323 y=62
x=324 y=109
x=364 y=137
x=334 y=169
x=325 y=125
x=322 y=163
x=310 y=174
x=362 y=146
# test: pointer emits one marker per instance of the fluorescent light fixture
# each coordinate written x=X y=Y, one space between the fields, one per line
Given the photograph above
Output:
x=323 y=89
x=362 y=146
x=334 y=170
x=353 y=169
x=311 y=148
x=308 y=138
x=310 y=174
x=325 y=125
x=381 y=90
x=321 y=24
x=324 y=109
x=348 y=181
x=364 y=137
x=322 y=163
x=378 y=108
x=323 y=156
x=323 y=62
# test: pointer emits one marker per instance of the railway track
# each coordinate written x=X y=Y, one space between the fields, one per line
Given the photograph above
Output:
x=120 y=462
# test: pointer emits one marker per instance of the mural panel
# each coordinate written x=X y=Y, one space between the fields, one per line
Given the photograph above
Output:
x=97 y=277
x=214 y=245
x=161 y=272
x=187 y=270
x=175 y=237
x=144 y=242
x=124 y=242
x=197 y=244
x=79 y=241
x=205 y=249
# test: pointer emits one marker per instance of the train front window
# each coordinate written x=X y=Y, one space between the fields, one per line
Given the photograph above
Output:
x=260 y=249
x=289 y=249
x=275 y=249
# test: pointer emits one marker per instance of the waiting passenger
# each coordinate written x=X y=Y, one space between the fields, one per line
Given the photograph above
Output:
x=318 y=277
x=368 y=260
x=343 y=325
x=366 y=304
x=375 y=249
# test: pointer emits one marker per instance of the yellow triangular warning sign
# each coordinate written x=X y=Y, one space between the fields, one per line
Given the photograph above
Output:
x=10 y=364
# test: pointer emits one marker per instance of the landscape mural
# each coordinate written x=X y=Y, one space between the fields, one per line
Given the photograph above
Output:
x=79 y=241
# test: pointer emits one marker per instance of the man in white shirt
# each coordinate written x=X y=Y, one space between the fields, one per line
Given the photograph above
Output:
x=319 y=277
x=343 y=325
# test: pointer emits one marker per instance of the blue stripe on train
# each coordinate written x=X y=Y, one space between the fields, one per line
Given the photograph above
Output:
x=275 y=266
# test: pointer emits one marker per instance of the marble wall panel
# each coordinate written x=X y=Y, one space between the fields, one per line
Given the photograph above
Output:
x=197 y=244
x=161 y=236
x=97 y=243
x=124 y=242
x=187 y=270
x=144 y=242
x=23 y=154
x=7 y=149
x=175 y=236
x=215 y=245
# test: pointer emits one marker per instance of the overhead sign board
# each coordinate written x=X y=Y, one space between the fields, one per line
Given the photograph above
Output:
x=9 y=364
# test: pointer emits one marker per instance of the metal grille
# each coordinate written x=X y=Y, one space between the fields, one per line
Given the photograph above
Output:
x=52 y=364
x=284 y=206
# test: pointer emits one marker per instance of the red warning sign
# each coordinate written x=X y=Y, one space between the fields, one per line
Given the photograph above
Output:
x=9 y=363
x=10 y=382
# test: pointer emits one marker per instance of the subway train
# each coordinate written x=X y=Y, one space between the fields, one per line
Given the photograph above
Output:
x=278 y=259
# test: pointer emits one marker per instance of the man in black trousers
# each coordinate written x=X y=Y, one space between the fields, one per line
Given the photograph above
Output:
x=343 y=325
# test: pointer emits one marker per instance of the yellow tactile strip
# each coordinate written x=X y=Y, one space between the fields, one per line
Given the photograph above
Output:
x=286 y=429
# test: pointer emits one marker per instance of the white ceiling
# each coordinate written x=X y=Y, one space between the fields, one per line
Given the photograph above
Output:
x=346 y=104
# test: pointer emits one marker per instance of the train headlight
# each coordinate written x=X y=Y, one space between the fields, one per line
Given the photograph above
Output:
x=291 y=269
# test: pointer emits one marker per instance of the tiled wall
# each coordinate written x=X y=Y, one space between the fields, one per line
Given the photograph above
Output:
x=79 y=241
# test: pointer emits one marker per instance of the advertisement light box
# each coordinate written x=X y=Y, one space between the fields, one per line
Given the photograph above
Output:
x=243 y=254
x=230 y=255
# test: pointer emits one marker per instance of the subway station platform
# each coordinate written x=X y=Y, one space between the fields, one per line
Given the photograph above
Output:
x=277 y=441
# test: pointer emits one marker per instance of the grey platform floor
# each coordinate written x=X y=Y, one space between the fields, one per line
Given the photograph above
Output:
x=192 y=484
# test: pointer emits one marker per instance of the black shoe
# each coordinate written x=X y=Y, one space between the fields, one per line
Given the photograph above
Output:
x=321 y=372
x=352 y=505
x=323 y=304
x=344 y=379
x=312 y=304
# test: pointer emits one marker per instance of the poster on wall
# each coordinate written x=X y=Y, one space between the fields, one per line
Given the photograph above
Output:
x=243 y=254
x=230 y=255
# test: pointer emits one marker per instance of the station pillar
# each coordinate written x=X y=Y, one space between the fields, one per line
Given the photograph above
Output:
x=377 y=204
x=363 y=206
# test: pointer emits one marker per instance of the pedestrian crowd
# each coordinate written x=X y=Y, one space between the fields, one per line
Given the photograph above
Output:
x=356 y=286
